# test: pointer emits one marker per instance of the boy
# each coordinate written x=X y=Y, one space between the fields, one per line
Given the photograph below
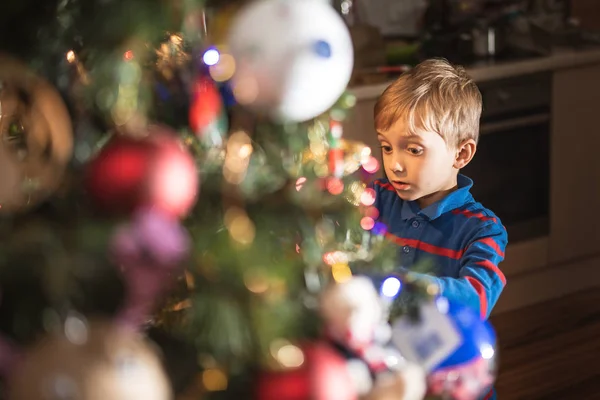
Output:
x=427 y=123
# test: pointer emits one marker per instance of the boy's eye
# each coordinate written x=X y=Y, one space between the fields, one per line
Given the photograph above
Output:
x=386 y=148
x=415 y=151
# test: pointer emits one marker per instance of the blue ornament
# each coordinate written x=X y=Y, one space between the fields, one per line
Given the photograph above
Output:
x=478 y=337
x=322 y=48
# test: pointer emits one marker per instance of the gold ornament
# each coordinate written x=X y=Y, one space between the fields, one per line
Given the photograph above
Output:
x=36 y=137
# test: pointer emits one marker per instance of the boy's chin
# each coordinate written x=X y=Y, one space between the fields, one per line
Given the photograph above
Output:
x=408 y=195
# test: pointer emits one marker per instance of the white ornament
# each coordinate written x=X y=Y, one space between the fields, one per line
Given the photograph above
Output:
x=293 y=58
x=352 y=312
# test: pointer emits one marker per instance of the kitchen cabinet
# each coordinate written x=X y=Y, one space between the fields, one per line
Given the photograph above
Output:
x=575 y=165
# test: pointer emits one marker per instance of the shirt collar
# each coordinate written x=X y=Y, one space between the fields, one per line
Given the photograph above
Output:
x=459 y=197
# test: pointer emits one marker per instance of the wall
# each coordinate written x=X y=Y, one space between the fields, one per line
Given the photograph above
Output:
x=588 y=13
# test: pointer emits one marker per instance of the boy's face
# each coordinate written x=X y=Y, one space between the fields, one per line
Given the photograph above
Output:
x=422 y=166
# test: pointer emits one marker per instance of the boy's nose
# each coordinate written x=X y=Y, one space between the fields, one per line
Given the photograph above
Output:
x=397 y=166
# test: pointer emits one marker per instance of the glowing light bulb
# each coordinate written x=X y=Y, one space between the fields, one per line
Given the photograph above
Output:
x=211 y=57
x=391 y=287
x=487 y=351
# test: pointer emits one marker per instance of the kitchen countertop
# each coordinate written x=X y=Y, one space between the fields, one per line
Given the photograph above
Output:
x=561 y=58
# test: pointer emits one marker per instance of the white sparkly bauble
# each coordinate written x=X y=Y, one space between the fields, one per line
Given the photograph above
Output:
x=352 y=312
x=94 y=362
x=293 y=58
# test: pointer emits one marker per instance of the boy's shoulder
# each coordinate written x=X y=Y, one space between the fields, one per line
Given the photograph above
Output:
x=475 y=218
x=475 y=212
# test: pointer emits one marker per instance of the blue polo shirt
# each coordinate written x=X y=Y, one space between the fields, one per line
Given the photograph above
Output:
x=463 y=240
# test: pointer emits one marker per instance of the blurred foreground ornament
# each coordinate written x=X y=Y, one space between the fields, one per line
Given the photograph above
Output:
x=36 y=137
x=293 y=58
x=352 y=313
x=321 y=375
x=134 y=173
x=453 y=344
x=95 y=361
x=148 y=250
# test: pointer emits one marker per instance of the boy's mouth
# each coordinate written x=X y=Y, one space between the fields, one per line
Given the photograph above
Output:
x=400 y=185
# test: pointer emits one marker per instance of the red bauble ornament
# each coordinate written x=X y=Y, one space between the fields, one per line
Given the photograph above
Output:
x=322 y=376
x=206 y=105
x=154 y=171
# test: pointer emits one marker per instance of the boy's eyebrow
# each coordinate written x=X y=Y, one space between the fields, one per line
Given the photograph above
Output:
x=411 y=137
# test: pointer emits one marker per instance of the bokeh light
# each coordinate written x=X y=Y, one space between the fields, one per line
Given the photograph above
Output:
x=224 y=69
x=300 y=182
x=335 y=186
x=391 y=287
x=367 y=198
x=372 y=165
x=367 y=223
x=211 y=56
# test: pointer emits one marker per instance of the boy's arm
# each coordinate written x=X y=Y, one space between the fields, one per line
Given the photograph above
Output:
x=480 y=281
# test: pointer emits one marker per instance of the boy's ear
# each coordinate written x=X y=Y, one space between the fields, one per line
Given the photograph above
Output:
x=464 y=153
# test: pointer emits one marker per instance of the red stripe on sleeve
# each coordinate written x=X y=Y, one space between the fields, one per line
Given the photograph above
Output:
x=487 y=264
x=470 y=214
x=492 y=243
x=478 y=286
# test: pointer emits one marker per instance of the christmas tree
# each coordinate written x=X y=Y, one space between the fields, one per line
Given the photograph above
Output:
x=176 y=170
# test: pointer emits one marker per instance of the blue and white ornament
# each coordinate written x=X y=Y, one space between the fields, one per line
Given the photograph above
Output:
x=478 y=337
x=294 y=58
x=447 y=335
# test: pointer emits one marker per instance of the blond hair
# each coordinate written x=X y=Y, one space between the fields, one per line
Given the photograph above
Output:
x=434 y=96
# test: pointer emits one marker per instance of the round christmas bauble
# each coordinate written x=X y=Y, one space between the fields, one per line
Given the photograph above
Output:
x=36 y=137
x=294 y=58
x=322 y=376
x=150 y=172
x=91 y=362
